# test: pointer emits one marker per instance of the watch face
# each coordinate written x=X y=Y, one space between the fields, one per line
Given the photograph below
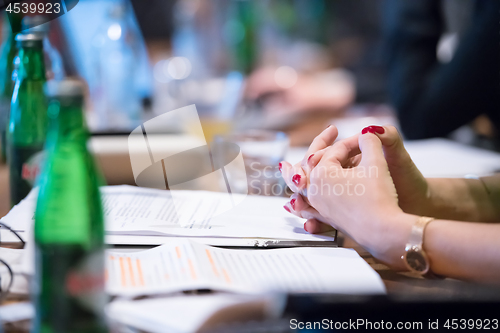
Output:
x=417 y=261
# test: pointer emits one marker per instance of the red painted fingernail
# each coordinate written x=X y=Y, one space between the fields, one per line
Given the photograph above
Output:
x=287 y=209
x=367 y=130
x=296 y=179
x=309 y=158
x=305 y=227
x=292 y=203
x=373 y=130
x=280 y=166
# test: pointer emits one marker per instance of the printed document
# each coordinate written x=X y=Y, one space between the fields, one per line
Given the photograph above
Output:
x=185 y=265
x=131 y=210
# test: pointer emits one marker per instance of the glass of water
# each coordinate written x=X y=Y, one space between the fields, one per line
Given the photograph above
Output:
x=262 y=151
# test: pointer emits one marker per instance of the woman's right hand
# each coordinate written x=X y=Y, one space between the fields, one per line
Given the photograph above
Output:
x=457 y=199
x=413 y=189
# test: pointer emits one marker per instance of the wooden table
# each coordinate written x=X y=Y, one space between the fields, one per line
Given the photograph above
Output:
x=4 y=190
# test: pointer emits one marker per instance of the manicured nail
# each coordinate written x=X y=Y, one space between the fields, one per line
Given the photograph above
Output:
x=368 y=129
x=292 y=203
x=287 y=209
x=305 y=227
x=296 y=179
x=309 y=158
x=373 y=130
x=280 y=166
x=378 y=129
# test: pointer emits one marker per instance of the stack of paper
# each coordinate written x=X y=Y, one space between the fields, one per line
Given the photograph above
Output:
x=184 y=265
x=134 y=213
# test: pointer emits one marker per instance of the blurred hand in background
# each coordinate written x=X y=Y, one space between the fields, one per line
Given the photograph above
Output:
x=284 y=90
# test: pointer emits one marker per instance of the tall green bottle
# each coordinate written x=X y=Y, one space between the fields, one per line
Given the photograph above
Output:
x=8 y=53
x=69 y=227
x=28 y=117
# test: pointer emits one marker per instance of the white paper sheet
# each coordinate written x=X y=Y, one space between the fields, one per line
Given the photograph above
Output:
x=191 y=313
x=131 y=210
x=185 y=265
x=15 y=312
x=446 y=158
x=439 y=158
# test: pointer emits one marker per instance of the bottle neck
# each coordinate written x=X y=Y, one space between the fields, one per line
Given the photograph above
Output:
x=14 y=22
x=6 y=85
x=11 y=40
x=32 y=64
x=67 y=121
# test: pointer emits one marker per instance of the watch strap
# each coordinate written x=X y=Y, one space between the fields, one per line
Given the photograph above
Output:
x=417 y=232
x=416 y=240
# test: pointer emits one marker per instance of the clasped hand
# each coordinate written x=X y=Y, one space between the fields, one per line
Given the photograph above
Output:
x=362 y=186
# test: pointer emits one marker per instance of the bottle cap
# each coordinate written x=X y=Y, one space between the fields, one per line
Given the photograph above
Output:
x=66 y=88
x=36 y=24
x=29 y=39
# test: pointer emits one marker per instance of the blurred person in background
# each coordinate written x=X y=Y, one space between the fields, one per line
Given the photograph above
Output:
x=435 y=90
x=442 y=59
x=301 y=56
x=300 y=59
x=333 y=58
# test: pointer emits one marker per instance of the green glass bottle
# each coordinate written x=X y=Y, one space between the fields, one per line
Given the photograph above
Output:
x=28 y=118
x=245 y=50
x=8 y=53
x=69 y=223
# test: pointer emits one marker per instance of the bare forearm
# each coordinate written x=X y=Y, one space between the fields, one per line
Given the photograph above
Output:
x=464 y=250
x=464 y=199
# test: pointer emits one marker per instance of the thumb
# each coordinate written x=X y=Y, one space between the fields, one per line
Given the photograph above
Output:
x=372 y=153
x=394 y=148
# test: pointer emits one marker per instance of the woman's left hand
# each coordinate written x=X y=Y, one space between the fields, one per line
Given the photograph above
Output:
x=297 y=177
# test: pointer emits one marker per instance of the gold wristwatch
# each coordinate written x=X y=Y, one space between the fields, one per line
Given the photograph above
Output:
x=415 y=257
